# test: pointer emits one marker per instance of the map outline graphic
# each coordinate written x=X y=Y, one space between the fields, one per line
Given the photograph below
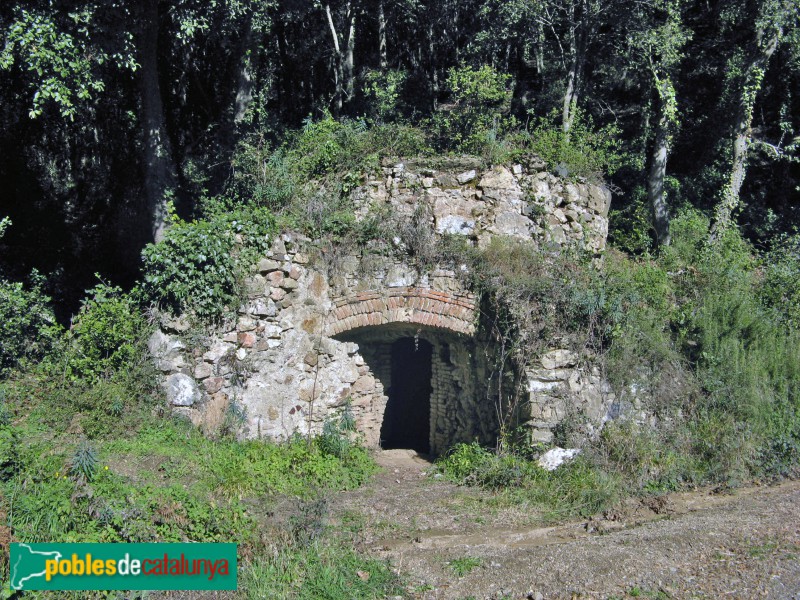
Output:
x=14 y=568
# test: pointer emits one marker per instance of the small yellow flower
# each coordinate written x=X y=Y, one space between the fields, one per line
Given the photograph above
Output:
x=106 y=467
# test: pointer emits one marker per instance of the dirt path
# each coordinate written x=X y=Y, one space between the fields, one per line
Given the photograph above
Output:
x=455 y=542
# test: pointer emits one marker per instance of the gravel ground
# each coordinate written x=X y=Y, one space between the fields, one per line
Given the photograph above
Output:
x=690 y=545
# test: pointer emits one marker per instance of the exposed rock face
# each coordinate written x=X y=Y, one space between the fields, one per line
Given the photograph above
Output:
x=317 y=334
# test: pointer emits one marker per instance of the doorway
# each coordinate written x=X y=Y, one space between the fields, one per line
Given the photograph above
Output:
x=406 y=421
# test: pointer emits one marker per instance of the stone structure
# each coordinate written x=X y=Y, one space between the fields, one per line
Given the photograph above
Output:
x=423 y=306
x=403 y=349
x=524 y=203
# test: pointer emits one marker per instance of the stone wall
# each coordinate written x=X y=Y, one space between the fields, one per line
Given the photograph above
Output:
x=558 y=387
x=526 y=203
x=314 y=335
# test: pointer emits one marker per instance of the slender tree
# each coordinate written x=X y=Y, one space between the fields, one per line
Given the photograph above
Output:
x=770 y=20
x=659 y=40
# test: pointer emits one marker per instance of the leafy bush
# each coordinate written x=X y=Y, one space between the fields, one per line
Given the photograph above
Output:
x=382 y=91
x=478 y=108
x=192 y=268
x=630 y=227
x=262 y=177
x=585 y=151
x=463 y=460
x=327 y=145
x=781 y=285
x=28 y=328
x=106 y=335
x=398 y=139
x=197 y=267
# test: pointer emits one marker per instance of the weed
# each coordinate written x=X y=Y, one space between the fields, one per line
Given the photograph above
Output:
x=309 y=522
x=83 y=465
x=325 y=569
x=579 y=488
x=464 y=566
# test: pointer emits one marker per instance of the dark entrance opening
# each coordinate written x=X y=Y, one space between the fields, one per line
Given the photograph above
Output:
x=406 y=421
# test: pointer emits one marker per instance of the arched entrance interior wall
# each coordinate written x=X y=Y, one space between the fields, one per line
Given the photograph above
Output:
x=460 y=407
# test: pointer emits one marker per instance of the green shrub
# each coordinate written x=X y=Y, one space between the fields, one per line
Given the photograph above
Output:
x=479 y=104
x=106 y=335
x=328 y=145
x=28 y=328
x=585 y=151
x=630 y=227
x=262 y=177
x=780 y=288
x=192 y=268
x=398 y=140
x=198 y=266
x=382 y=91
x=463 y=460
x=579 y=487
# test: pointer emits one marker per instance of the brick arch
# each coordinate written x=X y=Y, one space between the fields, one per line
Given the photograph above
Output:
x=446 y=310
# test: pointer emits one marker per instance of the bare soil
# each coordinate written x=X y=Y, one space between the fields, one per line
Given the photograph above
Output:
x=457 y=542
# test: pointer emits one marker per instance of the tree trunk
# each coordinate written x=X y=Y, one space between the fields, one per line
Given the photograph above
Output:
x=538 y=49
x=241 y=96
x=570 y=96
x=248 y=66
x=338 y=73
x=434 y=73
x=655 y=179
x=382 y=51
x=348 y=70
x=159 y=175
x=577 y=51
x=761 y=51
